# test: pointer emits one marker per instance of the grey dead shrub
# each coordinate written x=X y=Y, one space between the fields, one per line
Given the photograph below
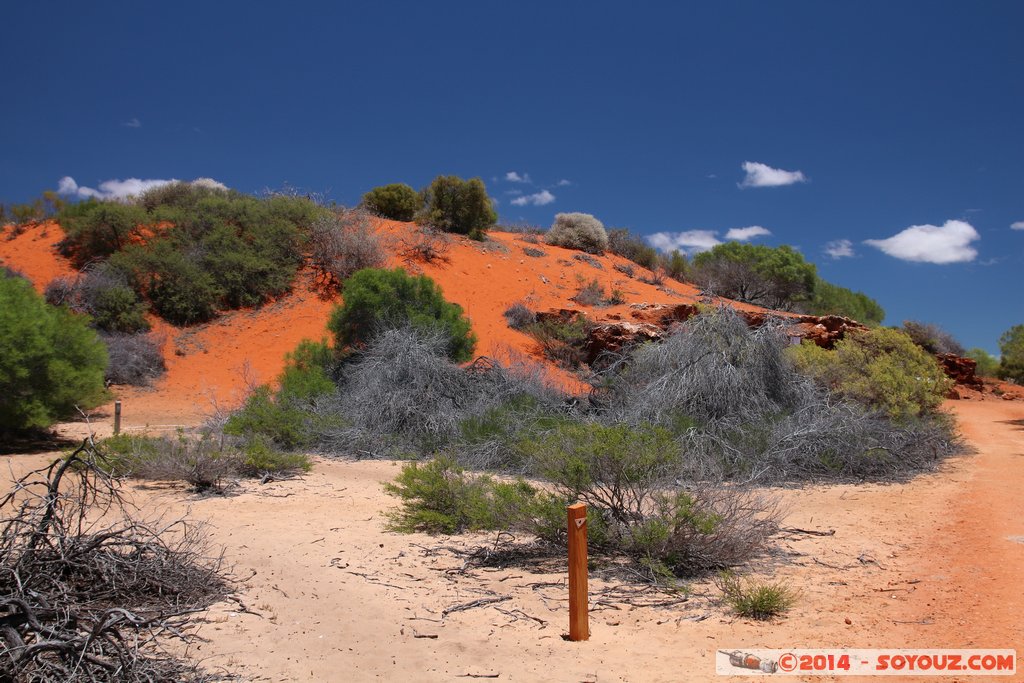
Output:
x=402 y=395
x=626 y=269
x=741 y=412
x=343 y=242
x=933 y=338
x=590 y=294
x=712 y=368
x=589 y=260
x=135 y=359
x=578 y=231
x=519 y=316
x=424 y=244
x=534 y=253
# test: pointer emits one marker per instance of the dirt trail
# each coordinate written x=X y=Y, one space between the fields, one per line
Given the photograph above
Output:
x=936 y=562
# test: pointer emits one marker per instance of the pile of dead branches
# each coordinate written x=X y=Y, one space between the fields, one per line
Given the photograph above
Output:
x=88 y=590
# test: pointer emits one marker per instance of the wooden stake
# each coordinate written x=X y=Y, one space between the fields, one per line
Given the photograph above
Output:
x=579 y=617
x=117 y=417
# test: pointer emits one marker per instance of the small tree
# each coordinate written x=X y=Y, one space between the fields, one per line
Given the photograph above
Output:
x=830 y=299
x=756 y=274
x=396 y=201
x=578 y=231
x=50 y=361
x=988 y=365
x=456 y=205
x=676 y=265
x=1011 y=349
x=377 y=299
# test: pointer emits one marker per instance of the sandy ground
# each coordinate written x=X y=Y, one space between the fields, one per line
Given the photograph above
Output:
x=331 y=595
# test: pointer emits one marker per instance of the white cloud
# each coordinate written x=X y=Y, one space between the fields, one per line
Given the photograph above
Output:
x=839 y=249
x=1018 y=225
x=689 y=241
x=122 y=189
x=537 y=199
x=132 y=123
x=949 y=243
x=563 y=183
x=514 y=177
x=744 y=234
x=763 y=175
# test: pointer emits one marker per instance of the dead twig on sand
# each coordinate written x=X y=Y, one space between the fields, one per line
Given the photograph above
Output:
x=482 y=602
x=91 y=592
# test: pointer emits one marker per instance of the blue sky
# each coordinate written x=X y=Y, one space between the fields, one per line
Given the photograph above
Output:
x=833 y=126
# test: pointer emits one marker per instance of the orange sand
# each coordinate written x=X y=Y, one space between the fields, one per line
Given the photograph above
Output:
x=216 y=363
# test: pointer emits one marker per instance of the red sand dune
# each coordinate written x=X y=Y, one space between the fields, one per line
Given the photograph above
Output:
x=216 y=363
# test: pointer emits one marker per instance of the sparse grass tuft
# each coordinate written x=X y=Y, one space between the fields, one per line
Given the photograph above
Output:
x=755 y=599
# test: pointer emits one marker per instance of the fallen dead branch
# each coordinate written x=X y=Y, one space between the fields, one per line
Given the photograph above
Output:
x=88 y=591
x=482 y=602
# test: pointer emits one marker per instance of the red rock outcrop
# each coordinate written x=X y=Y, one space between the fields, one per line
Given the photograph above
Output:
x=654 y=321
x=961 y=370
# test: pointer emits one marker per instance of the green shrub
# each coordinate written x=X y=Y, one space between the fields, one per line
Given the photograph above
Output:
x=179 y=289
x=439 y=497
x=455 y=205
x=95 y=229
x=50 y=361
x=882 y=369
x=275 y=421
x=756 y=600
x=191 y=248
x=988 y=365
x=830 y=299
x=627 y=477
x=245 y=270
x=103 y=294
x=608 y=467
x=578 y=231
x=376 y=299
x=622 y=242
x=260 y=458
x=1011 y=349
x=307 y=372
x=396 y=201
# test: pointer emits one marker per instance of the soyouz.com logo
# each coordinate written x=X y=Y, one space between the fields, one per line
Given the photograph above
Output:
x=848 y=662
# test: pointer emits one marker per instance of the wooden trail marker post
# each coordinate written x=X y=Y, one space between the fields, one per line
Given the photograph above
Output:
x=579 y=616
x=117 y=417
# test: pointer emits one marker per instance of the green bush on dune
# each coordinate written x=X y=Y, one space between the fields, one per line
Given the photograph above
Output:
x=376 y=299
x=396 y=201
x=50 y=361
x=881 y=368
